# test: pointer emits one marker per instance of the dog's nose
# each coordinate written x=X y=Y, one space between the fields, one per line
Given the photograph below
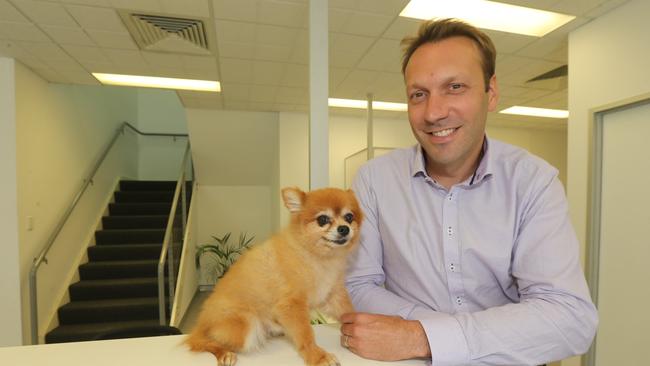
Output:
x=343 y=230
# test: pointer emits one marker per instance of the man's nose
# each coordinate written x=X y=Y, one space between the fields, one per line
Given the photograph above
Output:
x=437 y=108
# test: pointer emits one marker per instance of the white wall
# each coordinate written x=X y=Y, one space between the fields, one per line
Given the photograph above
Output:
x=60 y=132
x=160 y=111
x=11 y=333
x=608 y=59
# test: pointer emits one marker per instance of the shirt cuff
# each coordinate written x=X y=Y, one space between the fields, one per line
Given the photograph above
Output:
x=446 y=338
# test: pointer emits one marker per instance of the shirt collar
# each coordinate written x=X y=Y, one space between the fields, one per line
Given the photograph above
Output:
x=483 y=170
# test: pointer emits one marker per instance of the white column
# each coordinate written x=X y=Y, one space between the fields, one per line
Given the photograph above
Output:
x=370 y=133
x=318 y=93
x=11 y=332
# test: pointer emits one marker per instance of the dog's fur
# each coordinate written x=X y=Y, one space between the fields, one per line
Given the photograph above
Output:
x=273 y=287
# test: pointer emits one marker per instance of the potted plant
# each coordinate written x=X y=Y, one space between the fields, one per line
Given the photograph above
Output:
x=219 y=255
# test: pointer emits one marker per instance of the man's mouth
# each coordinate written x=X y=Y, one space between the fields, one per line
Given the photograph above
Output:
x=444 y=133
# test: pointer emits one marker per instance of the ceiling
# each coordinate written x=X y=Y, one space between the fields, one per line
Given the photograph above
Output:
x=259 y=50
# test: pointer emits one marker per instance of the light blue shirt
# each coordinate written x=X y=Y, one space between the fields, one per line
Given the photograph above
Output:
x=489 y=267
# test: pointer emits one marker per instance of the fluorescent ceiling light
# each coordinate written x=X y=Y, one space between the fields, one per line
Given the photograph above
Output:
x=158 y=82
x=536 y=112
x=489 y=15
x=362 y=104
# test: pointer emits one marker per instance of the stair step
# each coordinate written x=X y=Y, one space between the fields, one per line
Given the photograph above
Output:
x=87 y=332
x=129 y=236
x=137 y=308
x=147 y=185
x=116 y=252
x=114 y=288
x=143 y=196
x=135 y=222
x=151 y=208
x=119 y=269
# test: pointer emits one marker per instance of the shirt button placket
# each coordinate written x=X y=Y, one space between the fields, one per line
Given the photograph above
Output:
x=452 y=249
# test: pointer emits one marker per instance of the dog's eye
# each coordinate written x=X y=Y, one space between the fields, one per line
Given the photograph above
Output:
x=323 y=220
x=348 y=218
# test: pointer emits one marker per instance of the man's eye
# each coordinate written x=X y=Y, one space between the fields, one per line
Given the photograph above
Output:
x=348 y=218
x=323 y=220
x=455 y=86
x=417 y=95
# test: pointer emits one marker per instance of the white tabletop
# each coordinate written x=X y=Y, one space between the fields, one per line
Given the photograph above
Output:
x=169 y=350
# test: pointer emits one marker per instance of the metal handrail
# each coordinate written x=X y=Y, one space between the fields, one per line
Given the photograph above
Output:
x=167 y=250
x=42 y=257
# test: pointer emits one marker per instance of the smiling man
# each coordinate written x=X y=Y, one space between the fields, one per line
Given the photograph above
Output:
x=467 y=255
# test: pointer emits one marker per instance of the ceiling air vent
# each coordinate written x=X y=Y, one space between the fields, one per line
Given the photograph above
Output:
x=169 y=34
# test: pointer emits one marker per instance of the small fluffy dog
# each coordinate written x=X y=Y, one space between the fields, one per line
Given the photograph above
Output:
x=271 y=289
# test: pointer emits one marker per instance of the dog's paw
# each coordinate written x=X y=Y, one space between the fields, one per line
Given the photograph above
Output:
x=327 y=359
x=227 y=359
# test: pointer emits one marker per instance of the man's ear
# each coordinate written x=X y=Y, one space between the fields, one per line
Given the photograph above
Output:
x=493 y=94
x=293 y=198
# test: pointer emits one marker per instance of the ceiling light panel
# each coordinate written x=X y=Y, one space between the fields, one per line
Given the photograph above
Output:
x=158 y=82
x=536 y=112
x=489 y=15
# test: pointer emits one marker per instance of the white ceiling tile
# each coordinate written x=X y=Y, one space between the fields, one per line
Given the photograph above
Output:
x=276 y=35
x=22 y=32
x=236 y=92
x=389 y=87
x=236 y=70
x=51 y=76
x=237 y=50
x=575 y=7
x=68 y=35
x=273 y=53
x=295 y=75
x=359 y=23
x=282 y=13
x=191 y=8
x=267 y=73
x=45 y=50
x=385 y=55
x=509 y=42
x=168 y=60
x=547 y=48
x=12 y=49
x=142 y=5
x=65 y=66
x=261 y=106
x=263 y=93
x=112 y=39
x=402 y=27
x=604 y=8
x=99 y=66
x=45 y=13
x=289 y=95
x=128 y=57
x=569 y=27
x=529 y=71
x=236 y=105
x=85 y=53
x=82 y=78
x=202 y=74
x=357 y=84
x=199 y=63
x=336 y=76
x=243 y=10
x=97 y=18
x=34 y=63
x=385 y=7
x=345 y=50
x=169 y=72
x=231 y=31
x=10 y=14
x=103 y=3
x=507 y=64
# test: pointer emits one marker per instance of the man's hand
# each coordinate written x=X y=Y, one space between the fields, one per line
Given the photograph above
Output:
x=383 y=338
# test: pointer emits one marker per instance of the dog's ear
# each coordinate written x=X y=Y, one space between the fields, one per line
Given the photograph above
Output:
x=293 y=198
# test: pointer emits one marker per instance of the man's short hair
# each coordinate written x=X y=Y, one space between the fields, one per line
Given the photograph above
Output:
x=437 y=30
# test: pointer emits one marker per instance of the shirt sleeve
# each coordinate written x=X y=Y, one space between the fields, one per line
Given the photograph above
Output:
x=554 y=319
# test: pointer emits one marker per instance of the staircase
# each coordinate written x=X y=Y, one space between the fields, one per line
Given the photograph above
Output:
x=119 y=285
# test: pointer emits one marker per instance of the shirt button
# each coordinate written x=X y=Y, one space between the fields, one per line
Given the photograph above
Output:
x=452 y=267
x=451 y=195
x=459 y=300
x=450 y=231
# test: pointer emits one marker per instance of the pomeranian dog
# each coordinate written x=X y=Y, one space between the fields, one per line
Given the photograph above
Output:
x=273 y=287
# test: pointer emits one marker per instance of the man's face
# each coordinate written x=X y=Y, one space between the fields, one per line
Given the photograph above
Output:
x=448 y=102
